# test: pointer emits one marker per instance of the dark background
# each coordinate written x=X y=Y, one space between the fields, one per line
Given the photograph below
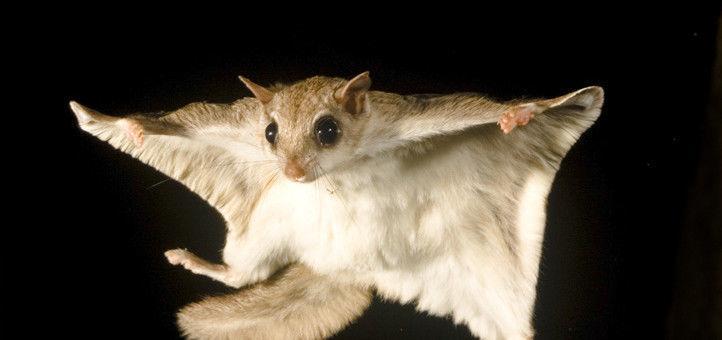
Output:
x=97 y=222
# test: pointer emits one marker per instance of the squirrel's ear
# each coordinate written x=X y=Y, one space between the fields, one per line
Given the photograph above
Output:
x=261 y=93
x=352 y=96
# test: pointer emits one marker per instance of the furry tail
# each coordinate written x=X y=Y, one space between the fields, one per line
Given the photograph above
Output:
x=296 y=303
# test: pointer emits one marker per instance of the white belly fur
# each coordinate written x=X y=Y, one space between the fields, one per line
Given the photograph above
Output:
x=409 y=234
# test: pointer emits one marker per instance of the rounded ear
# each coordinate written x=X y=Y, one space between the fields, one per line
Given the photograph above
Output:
x=261 y=93
x=352 y=96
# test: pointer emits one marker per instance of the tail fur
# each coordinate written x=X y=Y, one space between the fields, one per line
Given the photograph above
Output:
x=296 y=303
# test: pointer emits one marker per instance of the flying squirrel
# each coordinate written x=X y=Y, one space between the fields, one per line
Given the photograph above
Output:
x=331 y=191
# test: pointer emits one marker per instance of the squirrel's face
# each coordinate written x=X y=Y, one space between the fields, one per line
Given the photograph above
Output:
x=311 y=128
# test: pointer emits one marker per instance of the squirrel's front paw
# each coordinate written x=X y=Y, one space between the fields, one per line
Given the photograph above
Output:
x=517 y=116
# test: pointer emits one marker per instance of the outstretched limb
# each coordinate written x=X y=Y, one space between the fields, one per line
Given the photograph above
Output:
x=396 y=120
x=192 y=146
x=188 y=146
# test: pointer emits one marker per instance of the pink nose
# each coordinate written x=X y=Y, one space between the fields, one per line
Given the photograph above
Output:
x=294 y=171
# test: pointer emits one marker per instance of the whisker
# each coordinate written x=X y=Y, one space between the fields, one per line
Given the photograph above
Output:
x=216 y=166
x=237 y=162
x=157 y=184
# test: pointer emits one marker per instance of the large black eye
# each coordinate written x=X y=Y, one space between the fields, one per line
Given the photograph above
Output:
x=327 y=131
x=271 y=131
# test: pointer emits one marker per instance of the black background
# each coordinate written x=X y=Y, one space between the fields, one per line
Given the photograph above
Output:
x=92 y=255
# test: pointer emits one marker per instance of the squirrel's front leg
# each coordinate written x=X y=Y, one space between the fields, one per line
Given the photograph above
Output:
x=249 y=258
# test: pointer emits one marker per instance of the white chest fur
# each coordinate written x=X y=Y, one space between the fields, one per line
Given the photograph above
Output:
x=417 y=228
x=386 y=215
